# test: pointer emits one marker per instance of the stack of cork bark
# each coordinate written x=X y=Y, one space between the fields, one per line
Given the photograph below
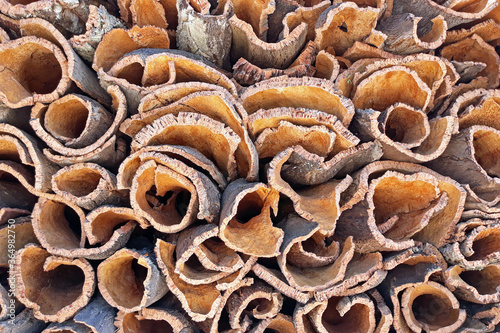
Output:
x=249 y=166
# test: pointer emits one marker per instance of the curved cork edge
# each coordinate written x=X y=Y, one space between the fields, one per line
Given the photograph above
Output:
x=78 y=71
x=429 y=9
x=18 y=194
x=250 y=232
x=406 y=33
x=138 y=75
x=361 y=50
x=202 y=245
x=349 y=312
x=470 y=253
x=220 y=106
x=98 y=315
x=488 y=30
x=339 y=26
x=298 y=93
x=304 y=14
x=208 y=35
x=246 y=44
x=129 y=280
x=196 y=129
x=259 y=300
x=208 y=204
x=24 y=235
x=475 y=49
x=44 y=169
x=66 y=327
x=38 y=280
x=327 y=270
x=88 y=185
x=145 y=319
x=42 y=57
x=317 y=203
x=479 y=286
x=280 y=324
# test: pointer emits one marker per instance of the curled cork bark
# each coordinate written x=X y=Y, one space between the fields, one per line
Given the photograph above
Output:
x=431 y=217
x=88 y=185
x=318 y=203
x=78 y=72
x=361 y=50
x=138 y=74
x=259 y=301
x=130 y=280
x=316 y=269
x=118 y=42
x=478 y=286
x=98 y=315
x=214 y=43
x=48 y=77
x=201 y=129
x=245 y=223
x=281 y=324
x=475 y=49
x=17 y=192
x=24 y=322
x=453 y=15
x=153 y=318
x=66 y=327
x=69 y=16
x=298 y=92
x=93 y=139
x=342 y=24
x=201 y=302
x=23 y=230
x=478 y=248
x=202 y=258
x=405 y=132
x=405 y=37
x=99 y=22
x=338 y=314
x=218 y=105
x=308 y=13
x=54 y=287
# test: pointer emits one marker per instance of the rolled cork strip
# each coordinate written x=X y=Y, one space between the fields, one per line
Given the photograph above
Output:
x=98 y=315
x=153 y=318
x=281 y=324
x=479 y=286
x=66 y=327
x=23 y=230
x=130 y=280
x=54 y=287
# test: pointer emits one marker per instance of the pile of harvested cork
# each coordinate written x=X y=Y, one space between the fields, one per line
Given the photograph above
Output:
x=249 y=166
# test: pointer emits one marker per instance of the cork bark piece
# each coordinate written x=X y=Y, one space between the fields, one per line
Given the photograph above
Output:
x=488 y=30
x=422 y=253
x=4 y=37
x=298 y=93
x=130 y=280
x=305 y=14
x=474 y=286
x=54 y=287
x=479 y=249
x=152 y=318
x=254 y=15
x=310 y=271
x=201 y=302
x=197 y=131
x=360 y=50
x=58 y=225
x=23 y=230
x=258 y=301
x=78 y=71
x=337 y=314
x=214 y=43
x=21 y=147
x=206 y=207
x=99 y=22
x=342 y=24
x=317 y=203
x=475 y=49
x=453 y=16
x=142 y=71
x=281 y=324
x=218 y=105
x=475 y=147
x=191 y=157
x=431 y=217
x=48 y=77
x=305 y=168
x=245 y=222
x=69 y=16
x=98 y=315
x=66 y=327
x=477 y=107
x=88 y=185
x=200 y=245
x=327 y=66
x=24 y=321
x=405 y=132
x=118 y=42
x=405 y=37
x=17 y=191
